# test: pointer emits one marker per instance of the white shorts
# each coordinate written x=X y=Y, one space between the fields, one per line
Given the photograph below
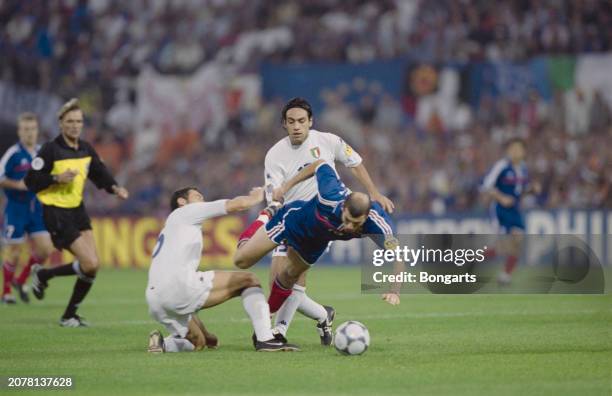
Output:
x=173 y=305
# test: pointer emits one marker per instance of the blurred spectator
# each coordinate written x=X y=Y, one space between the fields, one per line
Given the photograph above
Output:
x=367 y=110
x=339 y=116
x=578 y=111
x=389 y=114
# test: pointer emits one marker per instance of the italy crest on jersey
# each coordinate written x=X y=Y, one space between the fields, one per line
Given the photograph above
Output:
x=348 y=150
x=315 y=152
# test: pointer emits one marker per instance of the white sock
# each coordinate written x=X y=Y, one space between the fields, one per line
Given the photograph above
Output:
x=311 y=308
x=174 y=344
x=256 y=306
x=285 y=313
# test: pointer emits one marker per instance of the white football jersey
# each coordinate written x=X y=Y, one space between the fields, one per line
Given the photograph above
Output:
x=283 y=161
x=177 y=254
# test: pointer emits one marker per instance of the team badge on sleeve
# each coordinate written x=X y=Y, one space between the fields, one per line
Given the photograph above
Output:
x=315 y=152
x=348 y=150
x=38 y=163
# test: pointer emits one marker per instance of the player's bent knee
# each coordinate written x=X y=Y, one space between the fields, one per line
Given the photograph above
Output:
x=294 y=272
x=90 y=265
x=13 y=253
x=251 y=280
x=44 y=253
x=241 y=262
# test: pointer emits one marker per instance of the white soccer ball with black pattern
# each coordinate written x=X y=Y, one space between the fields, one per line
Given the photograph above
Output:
x=352 y=338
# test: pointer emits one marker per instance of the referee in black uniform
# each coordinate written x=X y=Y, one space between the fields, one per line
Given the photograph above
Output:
x=58 y=176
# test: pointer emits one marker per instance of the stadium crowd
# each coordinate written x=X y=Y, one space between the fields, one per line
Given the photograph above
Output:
x=95 y=49
x=421 y=169
x=64 y=44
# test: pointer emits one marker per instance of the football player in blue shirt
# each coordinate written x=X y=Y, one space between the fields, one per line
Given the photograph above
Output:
x=23 y=212
x=505 y=183
x=308 y=226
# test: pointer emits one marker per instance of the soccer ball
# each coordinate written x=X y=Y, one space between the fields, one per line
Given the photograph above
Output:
x=351 y=338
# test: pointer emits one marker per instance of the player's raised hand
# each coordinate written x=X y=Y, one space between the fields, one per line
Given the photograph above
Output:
x=391 y=298
x=385 y=202
x=121 y=192
x=66 y=177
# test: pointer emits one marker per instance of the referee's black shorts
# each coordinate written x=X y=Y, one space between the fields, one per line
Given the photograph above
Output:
x=65 y=225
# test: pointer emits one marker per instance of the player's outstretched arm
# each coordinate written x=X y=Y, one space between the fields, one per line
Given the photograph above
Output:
x=121 y=192
x=14 y=184
x=380 y=229
x=102 y=178
x=245 y=202
x=393 y=295
x=361 y=173
x=302 y=175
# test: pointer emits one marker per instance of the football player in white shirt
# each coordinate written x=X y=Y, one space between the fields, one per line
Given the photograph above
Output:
x=284 y=160
x=176 y=290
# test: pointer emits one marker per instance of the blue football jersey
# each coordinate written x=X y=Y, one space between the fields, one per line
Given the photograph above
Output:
x=508 y=179
x=14 y=165
x=330 y=201
x=308 y=226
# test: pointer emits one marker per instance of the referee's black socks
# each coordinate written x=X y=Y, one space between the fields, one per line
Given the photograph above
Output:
x=81 y=288
x=62 y=270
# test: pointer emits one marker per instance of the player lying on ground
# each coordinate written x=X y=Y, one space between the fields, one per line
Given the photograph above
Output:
x=307 y=227
x=284 y=160
x=177 y=290
x=23 y=212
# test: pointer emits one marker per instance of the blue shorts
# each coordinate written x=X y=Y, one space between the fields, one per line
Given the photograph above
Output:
x=287 y=227
x=21 y=218
x=508 y=219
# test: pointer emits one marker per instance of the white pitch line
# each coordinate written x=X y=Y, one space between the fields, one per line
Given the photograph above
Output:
x=424 y=315
x=326 y=297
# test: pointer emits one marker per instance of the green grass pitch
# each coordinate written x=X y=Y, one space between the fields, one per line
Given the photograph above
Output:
x=429 y=345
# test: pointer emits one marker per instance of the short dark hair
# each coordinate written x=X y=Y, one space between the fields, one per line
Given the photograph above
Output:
x=181 y=193
x=297 y=102
x=27 y=116
x=358 y=204
x=516 y=139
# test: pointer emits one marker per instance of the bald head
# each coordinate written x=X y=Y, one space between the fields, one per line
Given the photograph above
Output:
x=358 y=204
x=355 y=211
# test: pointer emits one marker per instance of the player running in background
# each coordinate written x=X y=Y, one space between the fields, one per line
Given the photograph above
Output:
x=23 y=212
x=177 y=290
x=58 y=175
x=284 y=160
x=308 y=227
x=505 y=183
